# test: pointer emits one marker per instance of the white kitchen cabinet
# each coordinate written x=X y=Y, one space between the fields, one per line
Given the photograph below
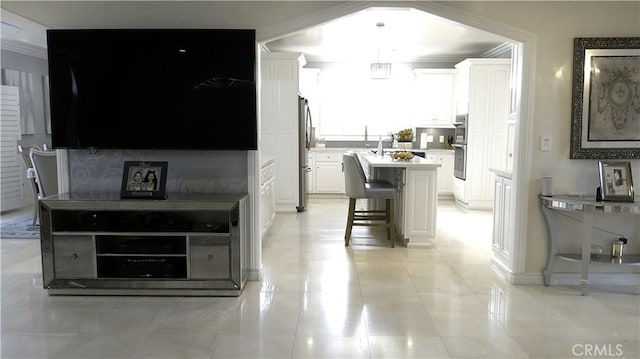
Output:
x=459 y=189
x=502 y=242
x=267 y=196
x=486 y=101
x=445 y=173
x=434 y=100
x=510 y=147
x=280 y=76
x=327 y=172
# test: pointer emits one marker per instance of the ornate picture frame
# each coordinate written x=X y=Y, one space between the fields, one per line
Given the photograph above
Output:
x=144 y=180
x=616 y=182
x=606 y=98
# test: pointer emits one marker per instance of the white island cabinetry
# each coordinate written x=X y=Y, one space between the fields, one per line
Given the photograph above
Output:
x=417 y=198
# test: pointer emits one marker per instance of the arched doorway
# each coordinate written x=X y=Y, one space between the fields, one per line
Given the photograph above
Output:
x=524 y=47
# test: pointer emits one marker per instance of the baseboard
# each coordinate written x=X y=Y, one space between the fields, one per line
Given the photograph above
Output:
x=613 y=279
x=616 y=279
x=502 y=270
x=253 y=274
x=327 y=195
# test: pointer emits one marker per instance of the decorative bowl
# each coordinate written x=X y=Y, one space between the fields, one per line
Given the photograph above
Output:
x=402 y=156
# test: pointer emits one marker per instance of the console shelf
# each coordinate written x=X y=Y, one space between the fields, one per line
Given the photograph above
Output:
x=588 y=208
x=630 y=260
x=104 y=245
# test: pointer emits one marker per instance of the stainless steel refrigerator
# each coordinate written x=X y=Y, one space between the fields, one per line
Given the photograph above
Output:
x=304 y=144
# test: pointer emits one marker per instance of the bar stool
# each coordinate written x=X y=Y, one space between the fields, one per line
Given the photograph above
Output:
x=357 y=186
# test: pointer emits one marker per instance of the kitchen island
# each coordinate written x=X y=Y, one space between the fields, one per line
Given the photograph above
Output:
x=416 y=199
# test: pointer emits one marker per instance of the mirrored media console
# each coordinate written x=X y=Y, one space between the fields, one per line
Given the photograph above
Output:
x=103 y=245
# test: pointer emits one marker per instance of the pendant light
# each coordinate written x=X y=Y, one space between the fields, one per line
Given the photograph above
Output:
x=380 y=70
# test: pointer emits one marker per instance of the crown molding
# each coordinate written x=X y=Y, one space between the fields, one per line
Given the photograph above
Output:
x=22 y=35
x=503 y=50
x=23 y=48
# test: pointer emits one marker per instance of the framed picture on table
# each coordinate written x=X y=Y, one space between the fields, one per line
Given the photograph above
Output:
x=616 y=182
x=142 y=180
x=606 y=98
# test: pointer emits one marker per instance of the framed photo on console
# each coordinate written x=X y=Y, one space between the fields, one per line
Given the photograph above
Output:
x=615 y=181
x=142 y=179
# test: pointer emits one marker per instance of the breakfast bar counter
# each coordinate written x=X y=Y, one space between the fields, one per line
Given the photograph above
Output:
x=416 y=196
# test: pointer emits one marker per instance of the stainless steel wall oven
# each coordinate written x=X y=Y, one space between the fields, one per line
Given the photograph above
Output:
x=460 y=147
x=460 y=161
x=460 y=137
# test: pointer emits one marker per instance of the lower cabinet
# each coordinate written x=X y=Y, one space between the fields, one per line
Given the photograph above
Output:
x=327 y=172
x=503 y=233
x=74 y=256
x=179 y=246
x=209 y=257
x=445 y=172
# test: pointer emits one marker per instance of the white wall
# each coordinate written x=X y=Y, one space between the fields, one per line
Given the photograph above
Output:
x=556 y=24
x=351 y=100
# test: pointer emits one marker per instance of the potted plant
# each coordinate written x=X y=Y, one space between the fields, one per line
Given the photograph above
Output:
x=405 y=138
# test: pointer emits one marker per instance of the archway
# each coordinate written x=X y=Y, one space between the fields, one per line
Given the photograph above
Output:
x=524 y=50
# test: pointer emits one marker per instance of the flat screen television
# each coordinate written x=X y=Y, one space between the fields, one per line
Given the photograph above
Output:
x=153 y=89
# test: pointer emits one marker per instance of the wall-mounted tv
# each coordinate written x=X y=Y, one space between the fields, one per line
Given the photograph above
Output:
x=153 y=89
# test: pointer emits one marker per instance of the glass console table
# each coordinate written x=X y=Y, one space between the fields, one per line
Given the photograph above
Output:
x=588 y=207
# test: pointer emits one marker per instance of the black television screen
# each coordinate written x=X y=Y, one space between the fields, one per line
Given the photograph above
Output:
x=153 y=89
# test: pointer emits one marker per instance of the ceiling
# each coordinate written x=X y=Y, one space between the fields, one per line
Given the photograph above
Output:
x=407 y=35
x=390 y=35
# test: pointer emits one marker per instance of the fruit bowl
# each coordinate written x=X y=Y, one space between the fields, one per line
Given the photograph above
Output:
x=404 y=156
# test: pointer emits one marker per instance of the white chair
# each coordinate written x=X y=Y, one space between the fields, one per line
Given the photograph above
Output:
x=46 y=167
x=357 y=186
x=31 y=175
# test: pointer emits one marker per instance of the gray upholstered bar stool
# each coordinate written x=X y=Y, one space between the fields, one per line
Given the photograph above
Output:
x=357 y=186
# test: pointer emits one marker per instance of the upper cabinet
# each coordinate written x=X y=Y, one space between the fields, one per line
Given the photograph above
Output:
x=434 y=97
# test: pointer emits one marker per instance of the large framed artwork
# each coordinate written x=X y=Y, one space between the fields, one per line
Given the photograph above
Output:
x=606 y=98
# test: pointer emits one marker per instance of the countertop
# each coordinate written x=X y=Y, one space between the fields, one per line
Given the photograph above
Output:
x=363 y=150
x=386 y=161
x=501 y=173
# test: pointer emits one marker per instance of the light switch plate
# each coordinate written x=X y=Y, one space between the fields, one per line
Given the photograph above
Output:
x=545 y=143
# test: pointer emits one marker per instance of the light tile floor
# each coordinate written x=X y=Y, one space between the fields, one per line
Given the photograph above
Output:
x=319 y=299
